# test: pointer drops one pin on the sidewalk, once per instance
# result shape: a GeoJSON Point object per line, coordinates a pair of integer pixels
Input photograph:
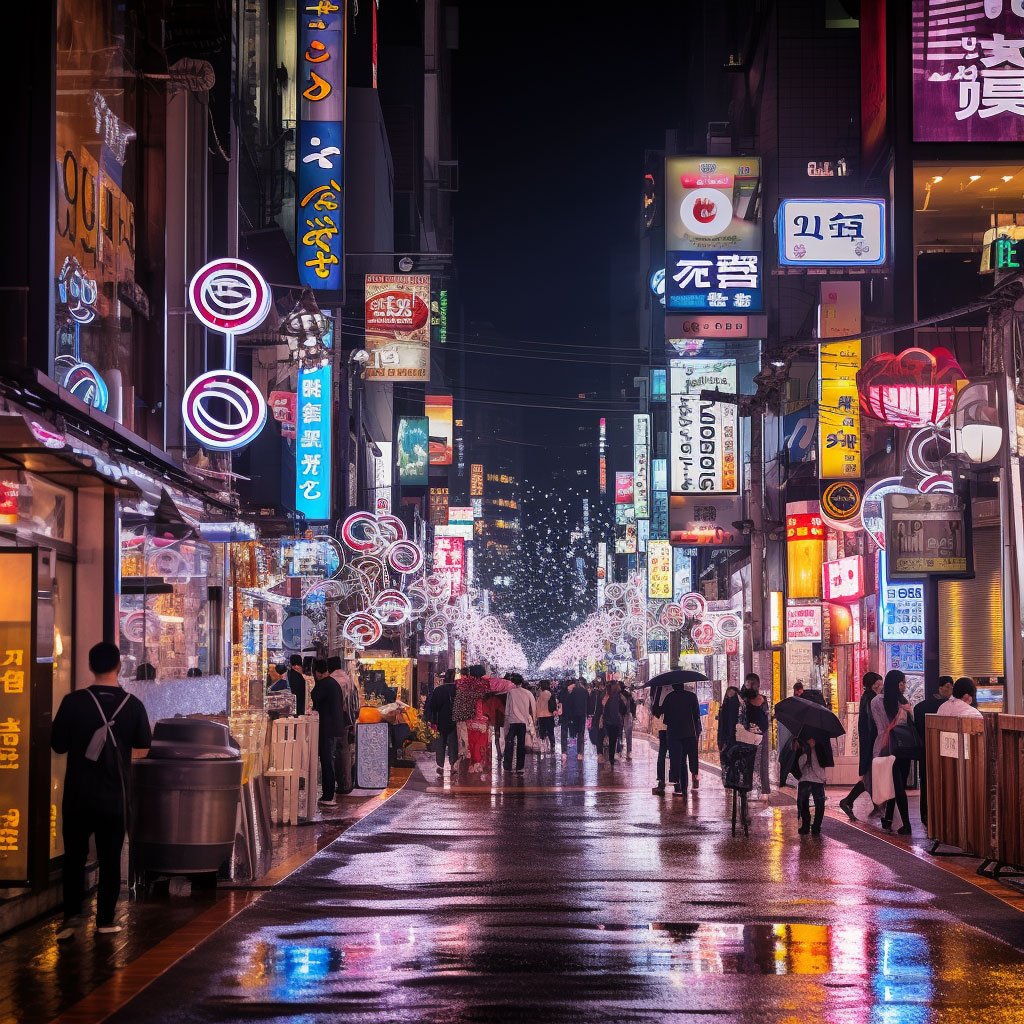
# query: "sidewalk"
{"type": "Point", "coordinates": [87, 979]}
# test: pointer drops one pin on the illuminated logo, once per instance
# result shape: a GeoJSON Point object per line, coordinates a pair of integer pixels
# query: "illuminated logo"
{"type": "Point", "coordinates": [230, 296]}
{"type": "Point", "coordinates": [841, 501]}
{"type": "Point", "coordinates": [240, 398]}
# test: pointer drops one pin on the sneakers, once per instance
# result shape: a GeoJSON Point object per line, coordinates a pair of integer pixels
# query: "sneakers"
{"type": "Point", "coordinates": [108, 929]}
{"type": "Point", "coordinates": [68, 929]}
{"type": "Point", "coordinates": [847, 808]}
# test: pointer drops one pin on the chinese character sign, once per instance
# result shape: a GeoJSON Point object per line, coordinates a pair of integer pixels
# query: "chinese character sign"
{"type": "Point", "coordinates": [16, 629]}
{"type": "Point", "coordinates": [397, 320]}
{"type": "Point", "coordinates": [703, 435]}
{"type": "Point", "coordinates": [641, 467]}
{"type": "Point", "coordinates": [476, 480]}
{"type": "Point", "coordinates": [713, 234]}
{"type": "Point", "coordinates": [968, 72]}
{"type": "Point", "coordinates": [320, 138]}
{"type": "Point", "coordinates": [659, 499]}
{"type": "Point", "coordinates": [450, 560]}
{"type": "Point", "coordinates": [313, 444]}
{"type": "Point", "coordinates": [438, 506]}
{"type": "Point", "coordinates": [839, 430]}
{"type": "Point", "coordinates": [831, 232]}
{"type": "Point", "coordinates": [659, 570]}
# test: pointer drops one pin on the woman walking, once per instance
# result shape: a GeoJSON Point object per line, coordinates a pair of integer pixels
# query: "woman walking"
{"type": "Point", "coordinates": [889, 711]}
{"type": "Point", "coordinates": [866, 733]}
{"type": "Point", "coordinates": [546, 706]}
{"type": "Point", "coordinates": [755, 710]}
{"type": "Point", "coordinates": [616, 708]}
{"type": "Point", "coordinates": [728, 716]}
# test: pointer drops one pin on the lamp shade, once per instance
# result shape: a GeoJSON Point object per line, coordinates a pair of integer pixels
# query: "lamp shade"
{"type": "Point", "coordinates": [976, 431]}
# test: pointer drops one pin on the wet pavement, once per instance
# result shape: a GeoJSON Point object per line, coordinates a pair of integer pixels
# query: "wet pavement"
{"type": "Point", "coordinates": [594, 901]}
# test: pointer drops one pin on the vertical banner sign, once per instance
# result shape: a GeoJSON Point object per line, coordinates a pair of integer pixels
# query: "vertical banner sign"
{"type": "Point", "coordinates": [659, 499]}
{"type": "Point", "coordinates": [439, 413]}
{"type": "Point", "coordinates": [438, 506]}
{"type": "Point", "coordinates": [703, 435]}
{"type": "Point", "coordinates": [382, 469]}
{"type": "Point", "coordinates": [602, 571]}
{"type": "Point", "coordinates": [413, 449]}
{"type": "Point", "coordinates": [450, 561]}
{"type": "Point", "coordinates": [839, 435]}
{"type": "Point", "coordinates": [16, 631]}
{"type": "Point", "coordinates": [641, 467]}
{"type": "Point", "coordinates": [623, 488]}
{"type": "Point", "coordinates": [313, 440]}
{"type": "Point", "coordinates": [682, 571]}
{"type": "Point", "coordinates": [602, 459]}
{"type": "Point", "coordinates": [397, 326]}
{"type": "Point", "coordinates": [713, 234]}
{"type": "Point", "coordinates": [659, 570]}
{"type": "Point", "coordinates": [476, 480]}
{"type": "Point", "coordinates": [320, 216]}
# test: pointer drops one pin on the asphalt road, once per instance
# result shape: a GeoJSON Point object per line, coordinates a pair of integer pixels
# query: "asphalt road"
{"type": "Point", "coordinates": [595, 901]}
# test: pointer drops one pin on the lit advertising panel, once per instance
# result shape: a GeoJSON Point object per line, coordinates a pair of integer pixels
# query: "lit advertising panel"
{"type": "Point", "coordinates": [450, 561]}
{"type": "Point", "coordinates": [659, 499]}
{"type": "Point", "coordinates": [705, 520]}
{"type": "Point", "coordinates": [659, 570]}
{"type": "Point", "coordinates": [313, 444]}
{"type": "Point", "coordinates": [803, 622]}
{"type": "Point", "coordinates": [413, 449]}
{"type": "Point", "coordinates": [839, 428]}
{"type": "Point", "coordinates": [831, 232]}
{"type": "Point", "coordinates": [703, 436]}
{"type": "Point", "coordinates": [843, 579]}
{"type": "Point", "coordinates": [439, 413]}
{"type": "Point", "coordinates": [397, 327]}
{"type": "Point", "coordinates": [901, 607]}
{"type": "Point", "coordinates": [713, 234]}
{"type": "Point", "coordinates": [641, 468]}
{"type": "Point", "coordinates": [623, 488]}
{"type": "Point", "coordinates": [967, 71]}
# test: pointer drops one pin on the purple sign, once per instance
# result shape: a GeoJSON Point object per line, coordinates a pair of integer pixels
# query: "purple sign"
{"type": "Point", "coordinates": [968, 71]}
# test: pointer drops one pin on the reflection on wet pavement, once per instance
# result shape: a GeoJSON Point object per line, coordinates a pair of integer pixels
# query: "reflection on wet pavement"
{"type": "Point", "coordinates": [597, 906]}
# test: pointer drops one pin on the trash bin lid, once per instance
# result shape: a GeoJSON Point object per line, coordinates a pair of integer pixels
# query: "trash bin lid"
{"type": "Point", "coordinates": [193, 739]}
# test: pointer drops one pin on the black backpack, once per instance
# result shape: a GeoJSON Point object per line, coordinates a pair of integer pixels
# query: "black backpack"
{"type": "Point", "coordinates": [107, 785]}
{"type": "Point", "coordinates": [552, 704]}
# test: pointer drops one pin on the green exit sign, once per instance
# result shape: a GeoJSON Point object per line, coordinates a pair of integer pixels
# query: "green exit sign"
{"type": "Point", "coordinates": [1007, 254]}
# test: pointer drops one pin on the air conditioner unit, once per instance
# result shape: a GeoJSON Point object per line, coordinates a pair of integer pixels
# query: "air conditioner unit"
{"type": "Point", "coordinates": [719, 138]}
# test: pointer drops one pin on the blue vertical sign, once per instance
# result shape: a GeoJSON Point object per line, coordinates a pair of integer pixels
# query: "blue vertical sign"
{"type": "Point", "coordinates": [659, 499]}
{"type": "Point", "coordinates": [313, 442]}
{"type": "Point", "coordinates": [319, 212]}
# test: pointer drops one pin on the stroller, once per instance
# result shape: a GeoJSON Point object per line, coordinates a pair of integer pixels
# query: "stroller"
{"type": "Point", "coordinates": [738, 775]}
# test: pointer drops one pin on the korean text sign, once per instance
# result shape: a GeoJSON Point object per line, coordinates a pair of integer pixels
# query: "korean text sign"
{"type": "Point", "coordinates": [831, 232]}
{"type": "Point", "coordinates": [16, 633]}
{"type": "Point", "coordinates": [713, 234]}
{"type": "Point", "coordinates": [397, 322]}
{"type": "Point", "coordinates": [703, 435]}
{"type": "Point", "coordinates": [968, 72]}
{"type": "Point", "coordinates": [313, 438]}
{"type": "Point", "coordinates": [320, 216]}
{"type": "Point", "coordinates": [641, 465]}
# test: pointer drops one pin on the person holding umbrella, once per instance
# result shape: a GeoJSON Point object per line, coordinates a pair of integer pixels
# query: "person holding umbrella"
{"type": "Point", "coordinates": [658, 686]}
{"type": "Point", "coordinates": [682, 726]}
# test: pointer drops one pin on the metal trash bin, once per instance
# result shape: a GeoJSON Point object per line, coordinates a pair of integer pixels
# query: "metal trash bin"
{"type": "Point", "coordinates": [185, 798]}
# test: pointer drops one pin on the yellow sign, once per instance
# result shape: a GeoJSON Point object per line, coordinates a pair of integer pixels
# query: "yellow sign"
{"type": "Point", "coordinates": [659, 570]}
{"type": "Point", "coordinates": [839, 431]}
{"type": "Point", "coordinates": [778, 618]}
{"type": "Point", "coordinates": [15, 707]}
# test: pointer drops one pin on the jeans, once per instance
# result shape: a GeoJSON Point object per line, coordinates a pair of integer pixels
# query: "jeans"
{"type": "Point", "coordinates": [546, 730]}
{"type": "Point", "coordinates": [614, 735]}
{"type": "Point", "coordinates": [108, 828]}
{"type": "Point", "coordinates": [900, 768]}
{"type": "Point", "coordinates": [343, 763]}
{"type": "Point", "coordinates": [448, 743]}
{"type": "Point", "coordinates": [515, 740]}
{"type": "Point", "coordinates": [805, 792]}
{"type": "Point", "coordinates": [627, 734]}
{"type": "Point", "coordinates": [681, 751]}
{"type": "Point", "coordinates": [328, 756]}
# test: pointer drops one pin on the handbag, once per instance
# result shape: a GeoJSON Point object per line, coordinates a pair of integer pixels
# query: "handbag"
{"type": "Point", "coordinates": [745, 735]}
{"type": "Point", "coordinates": [904, 742]}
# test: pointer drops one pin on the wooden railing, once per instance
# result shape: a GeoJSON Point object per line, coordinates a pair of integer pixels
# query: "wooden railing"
{"type": "Point", "coordinates": [1009, 760]}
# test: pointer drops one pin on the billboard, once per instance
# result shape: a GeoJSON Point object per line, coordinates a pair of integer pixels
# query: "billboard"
{"type": "Point", "coordinates": [713, 234]}
{"type": "Point", "coordinates": [397, 322]}
{"type": "Point", "coordinates": [623, 488]}
{"type": "Point", "coordinates": [439, 413]}
{"type": "Point", "coordinates": [831, 232]}
{"type": "Point", "coordinates": [659, 570]}
{"type": "Point", "coordinates": [659, 499]}
{"type": "Point", "coordinates": [967, 71]}
{"type": "Point", "coordinates": [705, 520]}
{"type": "Point", "coordinates": [413, 448]}
{"type": "Point", "coordinates": [682, 571]}
{"type": "Point", "coordinates": [450, 561]}
{"type": "Point", "coordinates": [320, 141]}
{"type": "Point", "coordinates": [703, 435]}
{"type": "Point", "coordinates": [313, 444]}
{"type": "Point", "coordinates": [641, 467]}
{"type": "Point", "coordinates": [438, 506]}
{"type": "Point", "coordinates": [839, 431]}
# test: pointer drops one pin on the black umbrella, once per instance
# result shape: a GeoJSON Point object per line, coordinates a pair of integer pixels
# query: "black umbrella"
{"type": "Point", "coordinates": [679, 675]}
{"type": "Point", "coordinates": [799, 715]}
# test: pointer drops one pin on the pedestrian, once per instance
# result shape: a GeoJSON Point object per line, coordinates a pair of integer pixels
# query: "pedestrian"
{"type": "Point", "coordinates": [494, 709]}
{"type": "Point", "coordinates": [440, 710]}
{"type": "Point", "coordinates": [615, 710]}
{"type": "Point", "coordinates": [100, 728]}
{"type": "Point", "coordinates": [787, 752]}
{"type": "Point", "coordinates": [681, 711]}
{"type": "Point", "coordinates": [889, 711]}
{"type": "Point", "coordinates": [328, 703]}
{"type": "Point", "coordinates": [728, 717]}
{"type": "Point", "coordinates": [279, 678]}
{"type": "Point", "coordinates": [929, 706]}
{"type": "Point", "coordinates": [811, 773]}
{"type": "Point", "coordinates": [866, 732]}
{"type": "Point", "coordinates": [755, 713]}
{"type": "Point", "coordinates": [961, 701]}
{"type": "Point", "coordinates": [467, 692]}
{"type": "Point", "coordinates": [350, 706]}
{"type": "Point", "coordinates": [658, 718]}
{"type": "Point", "coordinates": [574, 718]}
{"type": "Point", "coordinates": [596, 730]}
{"type": "Point", "coordinates": [297, 683]}
{"type": "Point", "coordinates": [546, 708]}
{"type": "Point", "coordinates": [520, 710]}
{"type": "Point", "coordinates": [479, 738]}
{"type": "Point", "coordinates": [627, 724]}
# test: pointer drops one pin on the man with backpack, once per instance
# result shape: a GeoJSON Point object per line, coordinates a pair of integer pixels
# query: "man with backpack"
{"type": "Point", "coordinates": [98, 728]}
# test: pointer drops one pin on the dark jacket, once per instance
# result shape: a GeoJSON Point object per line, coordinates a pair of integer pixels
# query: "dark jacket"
{"type": "Point", "coordinates": [329, 704]}
{"type": "Point", "coordinates": [593, 701]}
{"type": "Point", "coordinates": [615, 710]}
{"type": "Point", "coordinates": [441, 706]}
{"type": "Point", "coordinates": [866, 731]}
{"type": "Point", "coordinates": [929, 706]}
{"type": "Point", "coordinates": [758, 715]}
{"type": "Point", "coordinates": [574, 705]}
{"type": "Point", "coordinates": [728, 716]}
{"type": "Point", "coordinates": [681, 711]}
{"type": "Point", "coordinates": [297, 684]}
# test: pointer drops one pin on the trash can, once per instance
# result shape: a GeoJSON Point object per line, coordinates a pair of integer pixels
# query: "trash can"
{"type": "Point", "coordinates": [185, 798]}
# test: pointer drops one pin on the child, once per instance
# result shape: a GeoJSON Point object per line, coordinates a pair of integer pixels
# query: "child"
{"type": "Point", "coordinates": [812, 784]}
{"type": "Point", "coordinates": [479, 739]}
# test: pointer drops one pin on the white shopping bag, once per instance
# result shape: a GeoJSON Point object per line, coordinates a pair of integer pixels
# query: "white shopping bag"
{"type": "Point", "coordinates": [882, 786]}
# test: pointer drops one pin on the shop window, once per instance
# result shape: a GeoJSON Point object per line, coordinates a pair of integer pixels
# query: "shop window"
{"type": "Point", "coordinates": [32, 506]}
{"type": "Point", "coordinates": [63, 662]}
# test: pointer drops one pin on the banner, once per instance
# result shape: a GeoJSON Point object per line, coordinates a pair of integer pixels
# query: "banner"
{"type": "Point", "coordinates": [439, 413]}
{"type": "Point", "coordinates": [450, 561]}
{"type": "Point", "coordinates": [703, 435]}
{"type": "Point", "coordinates": [438, 506]}
{"type": "Point", "coordinates": [839, 431]}
{"type": "Point", "coordinates": [705, 520]}
{"type": "Point", "coordinates": [397, 315]}
{"type": "Point", "coordinates": [713, 234]}
{"type": "Point", "coordinates": [659, 499]}
{"type": "Point", "coordinates": [623, 488]}
{"type": "Point", "coordinates": [313, 444]}
{"type": "Point", "coordinates": [659, 570]}
{"type": "Point", "coordinates": [641, 469]}
{"type": "Point", "coordinates": [413, 448]}
{"type": "Point", "coordinates": [476, 480]}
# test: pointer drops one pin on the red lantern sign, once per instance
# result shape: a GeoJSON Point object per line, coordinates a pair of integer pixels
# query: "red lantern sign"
{"type": "Point", "coordinates": [911, 388]}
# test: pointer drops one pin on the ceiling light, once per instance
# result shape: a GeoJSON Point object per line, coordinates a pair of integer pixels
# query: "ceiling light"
{"type": "Point", "coordinates": [994, 188]}
{"type": "Point", "coordinates": [1007, 177]}
{"type": "Point", "coordinates": [973, 177]}
{"type": "Point", "coordinates": [936, 179]}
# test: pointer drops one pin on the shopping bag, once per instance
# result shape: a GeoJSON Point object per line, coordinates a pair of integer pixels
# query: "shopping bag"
{"type": "Point", "coordinates": [745, 735]}
{"type": "Point", "coordinates": [882, 786]}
